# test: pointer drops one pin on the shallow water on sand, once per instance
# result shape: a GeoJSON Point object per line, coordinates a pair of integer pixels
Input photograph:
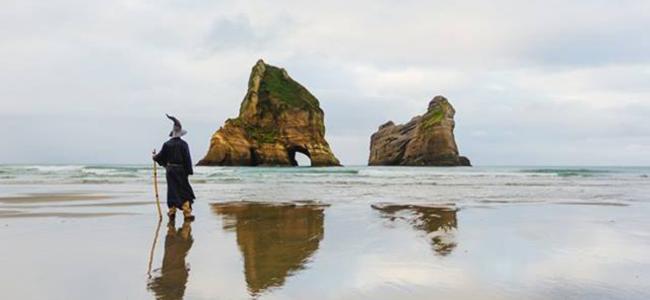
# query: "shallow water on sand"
{"type": "Point", "coordinates": [340, 233]}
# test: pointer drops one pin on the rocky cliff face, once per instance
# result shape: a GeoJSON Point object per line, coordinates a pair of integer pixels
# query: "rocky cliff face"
{"type": "Point", "coordinates": [277, 118]}
{"type": "Point", "coordinates": [426, 140]}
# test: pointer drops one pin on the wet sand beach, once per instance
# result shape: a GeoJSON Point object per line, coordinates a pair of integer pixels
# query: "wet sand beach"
{"type": "Point", "coordinates": [30, 205]}
{"type": "Point", "coordinates": [51, 198]}
{"type": "Point", "coordinates": [349, 238]}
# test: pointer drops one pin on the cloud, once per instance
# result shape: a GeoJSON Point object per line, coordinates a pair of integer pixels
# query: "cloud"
{"type": "Point", "coordinates": [234, 34]}
{"type": "Point", "coordinates": [239, 34]}
{"type": "Point", "coordinates": [531, 82]}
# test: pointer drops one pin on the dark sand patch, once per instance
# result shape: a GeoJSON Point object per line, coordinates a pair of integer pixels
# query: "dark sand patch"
{"type": "Point", "coordinates": [592, 203]}
{"type": "Point", "coordinates": [509, 201]}
{"type": "Point", "coordinates": [42, 198]}
{"type": "Point", "coordinates": [481, 206]}
{"type": "Point", "coordinates": [391, 207]}
{"type": "Point", "coordinates": [298, 203]}
{"type": "Point", "coordinates": [61, 215]}
{"type": "Point", "coordinates": [109, 204]}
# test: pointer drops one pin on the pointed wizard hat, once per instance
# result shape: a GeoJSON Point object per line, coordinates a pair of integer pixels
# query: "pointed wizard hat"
{"type": "Point", "coordinates": [177, 130]}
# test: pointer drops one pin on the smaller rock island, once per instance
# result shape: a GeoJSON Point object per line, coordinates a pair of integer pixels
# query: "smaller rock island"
{"type": "Point", "coordinates": [426, 140]}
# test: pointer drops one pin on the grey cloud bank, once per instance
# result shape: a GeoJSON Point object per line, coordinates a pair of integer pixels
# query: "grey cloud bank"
{"type": "Point", "coordinates": [541, 82]}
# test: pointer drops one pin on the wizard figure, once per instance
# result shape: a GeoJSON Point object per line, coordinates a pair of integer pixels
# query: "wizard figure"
{"type": "Point", "coordinates": [175, 157]}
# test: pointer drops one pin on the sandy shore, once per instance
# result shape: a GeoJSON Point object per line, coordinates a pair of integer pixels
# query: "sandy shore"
{"type": "Point", "coordinates": [32, 205]}
{"type": "Point", "coordinates": [19, 214]}
{"type": "Point", "coordinates": [52, 198]}
{"type": "Point", "coordinates": [283, 249]}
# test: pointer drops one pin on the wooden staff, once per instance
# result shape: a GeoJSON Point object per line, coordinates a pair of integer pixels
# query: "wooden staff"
{"type": "Point", "coordinates": [155, 187]}
{"type": "Point", "coordinates": [153, 248]}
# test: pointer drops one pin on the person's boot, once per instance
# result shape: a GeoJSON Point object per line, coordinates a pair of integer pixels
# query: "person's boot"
{"type": "Point", "coordinates": [187, 211]}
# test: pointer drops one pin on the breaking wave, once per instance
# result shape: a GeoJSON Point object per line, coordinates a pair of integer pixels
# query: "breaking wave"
{"type": "Point", "coordinates": [570, 172]}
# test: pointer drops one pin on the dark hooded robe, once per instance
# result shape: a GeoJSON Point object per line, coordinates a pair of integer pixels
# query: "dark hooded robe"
{"type": "Point", "coordinates": [175, 157]}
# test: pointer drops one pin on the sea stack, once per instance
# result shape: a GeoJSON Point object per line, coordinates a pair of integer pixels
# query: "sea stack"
{"type": "Point", "coordinates": [426, 140]}
{"type": "Point", "coordinates": [277, 118]}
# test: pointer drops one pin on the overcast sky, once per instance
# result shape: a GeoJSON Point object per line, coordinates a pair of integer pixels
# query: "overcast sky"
{"type": "Point", "coordinates": [533, 82]}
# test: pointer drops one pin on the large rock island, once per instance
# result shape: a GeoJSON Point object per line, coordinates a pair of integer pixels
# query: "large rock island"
{"type": "Point", "coordinates": [277, 118]}
{"type": "Point", "coordinates": [426, 140]}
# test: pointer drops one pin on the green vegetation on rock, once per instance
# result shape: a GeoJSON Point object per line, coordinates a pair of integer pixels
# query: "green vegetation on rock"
{"type": "Point", "coordinates": [235, 121]}
{"type": "Point", "coordinates": [262, 135]}
{"type": "Point", "coordinates": [284, 89]}
{"type": "Point", "coordinates": [432, 119]}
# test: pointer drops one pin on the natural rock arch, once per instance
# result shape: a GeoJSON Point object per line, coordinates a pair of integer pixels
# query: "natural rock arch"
{"type": "Point", "coordinates": [291, 152]}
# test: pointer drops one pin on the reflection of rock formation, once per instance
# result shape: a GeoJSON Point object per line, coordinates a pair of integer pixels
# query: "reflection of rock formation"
{"type": "Point", "coordinates": [276, 240]}
{"type": "Point", "coordinates": [438, 222]}
{"type": "Point", "coordinates": [174, 272]}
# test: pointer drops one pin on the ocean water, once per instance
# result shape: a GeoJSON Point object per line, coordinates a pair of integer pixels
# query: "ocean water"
{"type": "Point", "coordinates": [460, 186]}
{"type": "Point", "coordinates": [91, 231]}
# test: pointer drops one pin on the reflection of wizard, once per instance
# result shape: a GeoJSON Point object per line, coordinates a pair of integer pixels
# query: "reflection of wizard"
{"type": "Point", "coordinates": [174, 272]}
{"type": "Point", "coordinates": [175, 157]}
